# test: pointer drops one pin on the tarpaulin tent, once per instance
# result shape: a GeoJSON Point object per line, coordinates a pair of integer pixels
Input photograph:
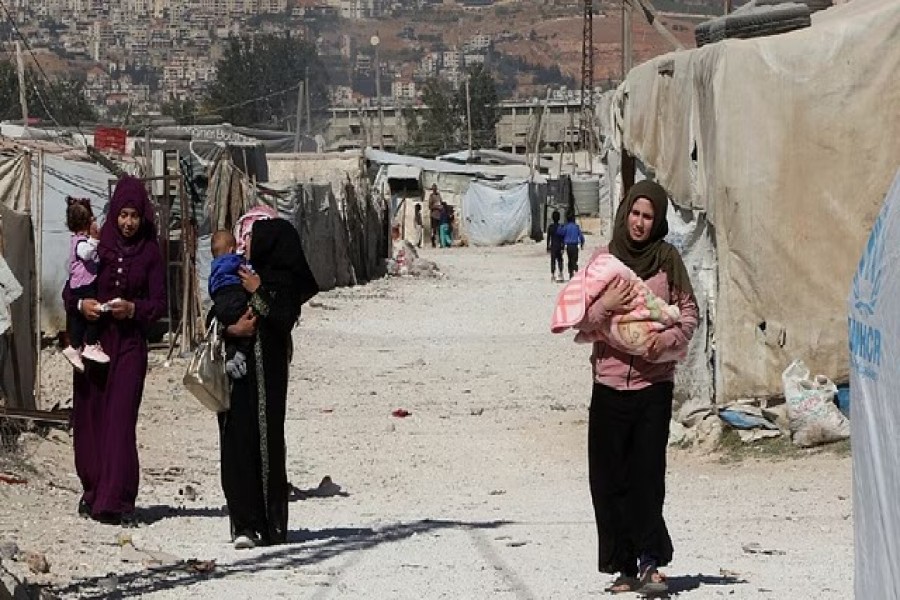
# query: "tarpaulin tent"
{"type": "Point", "coordinates": [786, 144]}
{"type": "Point", "coordinates": [875, 415]}
{"type": "Point", "coordinates": [17, 245]}
{"type": "Point", "coordinates": [493, 216]}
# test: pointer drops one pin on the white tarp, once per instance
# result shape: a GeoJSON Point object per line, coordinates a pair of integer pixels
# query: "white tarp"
{"type": "Point", "coordinates": [874, 334]}
{"type": "Point", "coordinates": [493, 216]}
{"type": "Point", "coordinates": [788, 144]}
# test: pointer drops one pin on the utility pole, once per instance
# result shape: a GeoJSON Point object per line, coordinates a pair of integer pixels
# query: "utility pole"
{"type": "Point", "coordinates": [306, 87]}
{"type": "Point", "coordinates": [23, 99]}
{"type": "Point", "coordinates": [469, 116]}
{"type": "Point", "coordinates": [727, 7]}
{"type": "Point", "coordinates": [299, 116]}
{"type": "Point", "coordinates": [586, 119]}
{"type": "Point", "coordinates": [626, 38]}
{"type": "Point", "coordinates": [374, 41]}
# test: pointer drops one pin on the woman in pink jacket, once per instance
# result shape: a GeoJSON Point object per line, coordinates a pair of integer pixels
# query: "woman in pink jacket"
{"type": "Point", "coordinates": [631, 404]}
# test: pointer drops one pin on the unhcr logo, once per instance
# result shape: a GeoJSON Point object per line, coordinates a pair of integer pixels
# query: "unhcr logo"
{"type": "Point", "coordinates": [865, 339]}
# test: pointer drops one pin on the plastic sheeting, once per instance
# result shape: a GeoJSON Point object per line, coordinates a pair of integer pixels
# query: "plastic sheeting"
{"type": "Point", "coordinates": [788, 143]}
{"type": "Point", "coordinates": [17, 243]}
{"type": "Point", "coordinates": [874, 332]}
{"type": "Point", "coordinates": [494, 217]}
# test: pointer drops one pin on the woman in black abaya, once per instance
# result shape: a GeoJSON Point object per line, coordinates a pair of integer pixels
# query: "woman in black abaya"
{"type": "Point", "coordinates": [254, 472]}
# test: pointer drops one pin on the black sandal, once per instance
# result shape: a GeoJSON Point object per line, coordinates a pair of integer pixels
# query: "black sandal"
{"type": "Point", "coordinates": [648, 587]}
{"type": "Point", "coordinates": [623, 585]}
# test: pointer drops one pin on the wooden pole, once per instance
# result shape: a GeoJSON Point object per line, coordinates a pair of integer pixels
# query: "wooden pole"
{"type": "Point", "coordinates": [378, 93]}
{"type": "Point", "coordinates": [727, 7]}
{"type": "Point", "coordinates": [626, 38]}
{"type": "Point", "coordinates": [469, 116]}
{"type": "Point", "coordinates": [299, 116]}
{"type": "Point", "coordinates": [23, 98]}
{"type": "Point", "coordinates": [306, 103]}
{"type": "Point", "coordinates": [39, 244]}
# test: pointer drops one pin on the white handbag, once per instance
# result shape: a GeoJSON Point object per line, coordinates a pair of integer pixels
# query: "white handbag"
{"type": "Point", "coordinates": [206, 378]}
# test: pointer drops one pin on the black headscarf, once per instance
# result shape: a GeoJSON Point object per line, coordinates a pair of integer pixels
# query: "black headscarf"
{"type": "Point", "coordinates": [654, 254]}
{"type": "Point", "coordinates": [277, 255]}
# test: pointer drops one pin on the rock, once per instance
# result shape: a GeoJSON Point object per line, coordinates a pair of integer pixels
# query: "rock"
{"type": "Point", "coordinates": [36, 562]}
{"type": "Point", "coordinates": [108, 583]}
{"type": "Point", "coordinates": [124, 539]}
{"type": "Point", "coordinates": [189, 493]}
{"type": "Point", "coordinates": [8, 550]}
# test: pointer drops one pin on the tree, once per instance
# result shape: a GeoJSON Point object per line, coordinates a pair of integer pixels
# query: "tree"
{"type": "Point", "coordinates": [440, 126]}
{"type": "Point", "coordinates": [257, 79]}
{"type": "Point", "coordinates": [484, 107]}
{"type": "Point", "coordinates": [61, 100]}
{"type": "Point", "coordinates": [183, 111]}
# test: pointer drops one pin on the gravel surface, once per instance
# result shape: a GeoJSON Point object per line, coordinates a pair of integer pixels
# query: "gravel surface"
{"type": "Point", "coordinates": [480, 492]}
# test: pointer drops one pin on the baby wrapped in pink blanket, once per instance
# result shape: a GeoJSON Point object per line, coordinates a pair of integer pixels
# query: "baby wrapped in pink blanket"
{"type": "Point", "coordinates": [629, 332]}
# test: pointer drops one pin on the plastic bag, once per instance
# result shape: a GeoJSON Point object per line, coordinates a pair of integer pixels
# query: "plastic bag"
{"type": "Point", "coordinates": [813, 416]}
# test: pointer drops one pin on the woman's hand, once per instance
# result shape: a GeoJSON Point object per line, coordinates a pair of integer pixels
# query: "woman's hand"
{"type": "Point", "coordinates": [243, 327]}
{"type": "Point", "coordinates": [619, 296]}
{"type": "Point", "coordinates": [249, 279]}
{"type": "Point", "coordinates": [121, 309]}
{"type": "Point", "coordinates": [90, 308]}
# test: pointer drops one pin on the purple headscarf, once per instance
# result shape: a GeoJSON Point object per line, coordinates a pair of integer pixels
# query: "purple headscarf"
{"type": "Point", "coordinates": [129, 193]}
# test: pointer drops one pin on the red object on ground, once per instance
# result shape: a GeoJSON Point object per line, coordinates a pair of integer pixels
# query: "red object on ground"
{"type": "Point", "coordinates": [401, 412]}
{"type": "Point", "coordinates": [12, 479]}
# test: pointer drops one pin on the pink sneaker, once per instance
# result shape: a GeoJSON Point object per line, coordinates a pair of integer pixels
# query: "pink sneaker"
{"type": "Point", "coordinates": [74, 356]}
{"type": "Point", "coordinates": [95, 354]}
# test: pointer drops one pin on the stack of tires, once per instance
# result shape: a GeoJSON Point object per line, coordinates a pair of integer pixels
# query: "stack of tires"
{"type": "Point", "coordinates": [759, 18]}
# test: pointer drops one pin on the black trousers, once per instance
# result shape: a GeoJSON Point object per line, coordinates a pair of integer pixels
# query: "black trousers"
{"type": "Point", "coordinates": [572, 255]}
{"type": "Point", "coordinates": [81, 331]}
{"type": "Point", "coordinates": [628, 432]}
{"type": "Point", "coordinates": [556, 261]}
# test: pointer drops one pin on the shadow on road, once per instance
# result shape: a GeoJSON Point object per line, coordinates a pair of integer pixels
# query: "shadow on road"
{"type": "Point", "coordinates": [304, 547]}
{"type": "Point", "coordinates": [686, 583]}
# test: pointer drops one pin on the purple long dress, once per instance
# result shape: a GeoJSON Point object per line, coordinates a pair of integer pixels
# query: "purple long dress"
{"type": "Point", "coordinates": [107, 398]}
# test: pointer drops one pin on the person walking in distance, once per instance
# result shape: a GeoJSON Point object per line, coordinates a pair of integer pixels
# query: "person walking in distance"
{"type": "Point", "coordinates": [435, 204]}
{"type": "Point", "coordinates": [573, 239]}
{"type": "Point", "coordinates": [555, 247]}
{"type": "Point", "coordinates": [417, 221]}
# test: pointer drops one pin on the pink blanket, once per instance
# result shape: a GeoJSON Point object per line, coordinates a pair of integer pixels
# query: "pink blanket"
{"type": "Point", "coordinates": [629, 332]}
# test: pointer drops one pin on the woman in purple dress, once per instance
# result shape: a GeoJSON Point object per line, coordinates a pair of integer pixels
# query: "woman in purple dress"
{"type": "Point", "coordinates": [131, 296]}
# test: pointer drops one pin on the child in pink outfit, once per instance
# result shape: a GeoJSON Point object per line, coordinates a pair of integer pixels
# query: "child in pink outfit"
{"type": "Point", "coordinates": [83, 262]}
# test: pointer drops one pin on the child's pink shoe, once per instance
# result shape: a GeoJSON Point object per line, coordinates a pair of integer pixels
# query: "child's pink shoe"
{"type": "Point", "coordinates": [95, 353]}
{"type": "Point", "coordinates": [74, 356]}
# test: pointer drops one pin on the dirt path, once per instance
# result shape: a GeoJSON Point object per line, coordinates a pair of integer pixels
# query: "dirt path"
{"type": "Point", "coordinates": [481, 492]}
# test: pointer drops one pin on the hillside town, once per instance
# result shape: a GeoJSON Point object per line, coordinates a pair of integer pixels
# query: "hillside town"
{"type": "Point", "coordinates": [136, 55]}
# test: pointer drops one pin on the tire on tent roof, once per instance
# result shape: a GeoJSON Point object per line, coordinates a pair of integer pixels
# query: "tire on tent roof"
{"type": "Point", "coordinates": [768, 29]}
{"type": "Point", "coordinates": [710, 31]}
{"type": "Point", "coordinates": [767, 21]}
{"type": "Point", "coordinates": [813, 5]}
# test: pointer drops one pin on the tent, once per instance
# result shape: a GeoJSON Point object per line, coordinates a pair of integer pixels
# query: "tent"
{"type": "Point", "coordinates": [17, 246]}
{"type": "Point", "coordinates": [874, 332]}
{"type": "Point", "coordinates": [783, 147]}
{"type": "Point", "coordinates": [494, 215]}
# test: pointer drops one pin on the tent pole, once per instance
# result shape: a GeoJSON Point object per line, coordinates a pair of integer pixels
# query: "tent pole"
{"type": "Point", "coordinates": [39, 243]}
